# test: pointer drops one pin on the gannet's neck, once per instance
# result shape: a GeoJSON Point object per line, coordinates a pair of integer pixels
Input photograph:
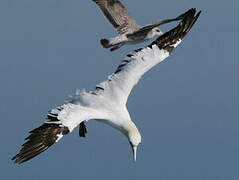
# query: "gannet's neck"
{"type": "Point", "coordinates": [134, 138]}
{"type": "Point", "coordinates": [133, 133]}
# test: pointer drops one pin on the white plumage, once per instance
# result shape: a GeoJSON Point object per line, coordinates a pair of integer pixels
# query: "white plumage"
{"type": "Point", "coordinates": [109, 99]}
{"type": "Point", "coordinates": [107, 103]}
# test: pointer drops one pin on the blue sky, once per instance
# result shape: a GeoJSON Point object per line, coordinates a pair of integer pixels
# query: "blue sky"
{"type": "Point", "coordinates": [186, 108]}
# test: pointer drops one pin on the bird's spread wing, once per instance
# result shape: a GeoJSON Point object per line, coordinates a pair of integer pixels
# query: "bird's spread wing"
{"type": "Point", "coordinates": [165, 21]}
{"type": "Point", "coordinates": [88, 105]}
{"type": "Point", "coordinates": [119, 85]}
{"type": "Point", "coordinates": [41, 138]}
{"type": "Point", "coordinates": [59, 122]}
{"type": "Point", "coordinates": [117, 15]}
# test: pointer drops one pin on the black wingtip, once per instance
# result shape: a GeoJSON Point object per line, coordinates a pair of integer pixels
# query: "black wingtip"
{"type": "Point", "coordinates": [39, 140]}
{"type": "Point", "coordinates": [170, 38]}
{"type": "Point", "coordinates": [190, 11]}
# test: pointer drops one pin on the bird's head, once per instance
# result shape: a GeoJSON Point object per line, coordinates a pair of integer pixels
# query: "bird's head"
{"type": "Point", "coordinates": [157, 31]}
{"type": "Point", "coordinates": [134, 140]}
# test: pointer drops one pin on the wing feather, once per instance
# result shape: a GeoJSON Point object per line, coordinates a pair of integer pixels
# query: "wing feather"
{"type": "Point", "coordinates": [117, 15]}
{"type": "Point", "coordinates": [159, 23]}
{"type": "Point", "coordinates": [39, 140]}
{"type": "Point", "coordinates": [119, 85]}
{"type": "Point", "coordinates": [62, 120]}
{"type": "Point", "coordinates": [59, 122]}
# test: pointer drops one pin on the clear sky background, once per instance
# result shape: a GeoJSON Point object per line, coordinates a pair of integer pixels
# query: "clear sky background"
{"type": "Point", "coordinates": [186, 108]}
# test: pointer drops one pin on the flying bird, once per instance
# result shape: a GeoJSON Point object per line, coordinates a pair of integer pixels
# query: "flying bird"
{"type": "Point", "coordinates": [107, 103]}
{"type": "Point", "coordinates": [128, 31]}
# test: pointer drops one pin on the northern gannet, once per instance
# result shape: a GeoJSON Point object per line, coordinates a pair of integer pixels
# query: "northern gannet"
{"type": "Point", "coordinates": [107, 103]}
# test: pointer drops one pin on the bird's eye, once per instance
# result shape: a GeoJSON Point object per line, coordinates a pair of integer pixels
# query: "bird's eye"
{"type": "Point", "coordinates": [157, 30]}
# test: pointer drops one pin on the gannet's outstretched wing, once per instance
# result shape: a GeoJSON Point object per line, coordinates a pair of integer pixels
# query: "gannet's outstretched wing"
{"type": "Point", "coordinates": [119, 85]}
{"type": "Point", "coordinates": [47, 134]}
{"type": "Point", "coordinates": [117, 15]}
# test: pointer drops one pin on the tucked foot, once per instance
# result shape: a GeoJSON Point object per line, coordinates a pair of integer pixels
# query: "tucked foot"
{"type": "Point", "coordinates": [105, 43]}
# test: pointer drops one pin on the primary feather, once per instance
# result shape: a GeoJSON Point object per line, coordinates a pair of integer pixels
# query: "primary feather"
{"type": "Point", "coordinates": [107, 103]}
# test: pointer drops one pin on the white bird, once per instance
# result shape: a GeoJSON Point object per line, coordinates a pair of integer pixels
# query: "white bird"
{"type": "Point", "coordinates": [107, 103]}
{"type": "Point", "coordinates": [128, 31]}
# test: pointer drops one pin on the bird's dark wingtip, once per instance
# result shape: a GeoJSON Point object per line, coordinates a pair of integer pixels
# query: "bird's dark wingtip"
{"type": "Point", "coordinates": [170, 38]}
{"type": "Point", "coordinates": [190, 11]}
{"type": "Point", "coordinates": [39, 140]}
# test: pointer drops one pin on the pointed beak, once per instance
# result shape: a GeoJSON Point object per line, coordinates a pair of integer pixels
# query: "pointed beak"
{"type": "Point", "coordinates": [135, 153]}
{"type": "Point", "coordinates": [134, 148]}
